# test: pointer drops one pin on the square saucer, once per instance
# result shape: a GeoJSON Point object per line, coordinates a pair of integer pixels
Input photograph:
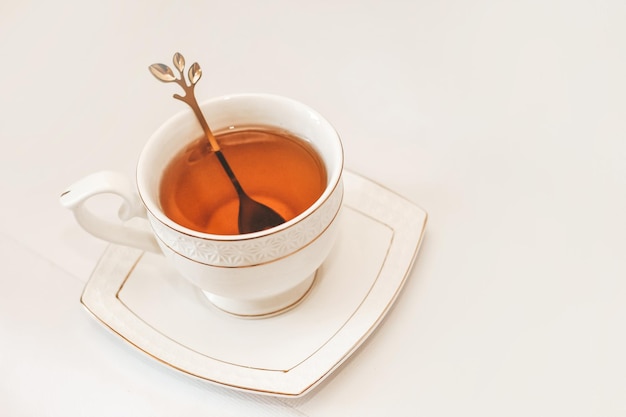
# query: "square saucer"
{"type": "Point", "coordinates": [145, 302]}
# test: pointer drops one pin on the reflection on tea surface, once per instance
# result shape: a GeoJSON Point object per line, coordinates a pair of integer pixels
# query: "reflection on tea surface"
{"type": "Point", "coordinates": [275, 168]}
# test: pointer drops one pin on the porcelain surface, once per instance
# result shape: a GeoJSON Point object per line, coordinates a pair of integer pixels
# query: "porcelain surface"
{"type": "Point", "coordinates": [256, 274]}
{"type": "Point", "coordinates": [148, 304]}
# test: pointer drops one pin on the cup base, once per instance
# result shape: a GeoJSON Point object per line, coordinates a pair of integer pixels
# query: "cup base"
{"type": "Point", "coordinates": [264, 307]}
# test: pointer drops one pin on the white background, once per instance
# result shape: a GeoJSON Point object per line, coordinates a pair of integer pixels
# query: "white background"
{"type": "Point", "coordinates": [504, 120]}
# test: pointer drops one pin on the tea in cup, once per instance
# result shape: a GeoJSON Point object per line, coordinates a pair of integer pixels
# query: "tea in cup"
{"type": "Point", "coordinates": [284, 154]}
{"type": "Point", "coordinates": [278, 169]}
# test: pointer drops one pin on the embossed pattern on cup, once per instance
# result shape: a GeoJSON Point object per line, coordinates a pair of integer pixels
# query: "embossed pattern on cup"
{"type": "Point", "coordinates": [257, 251]}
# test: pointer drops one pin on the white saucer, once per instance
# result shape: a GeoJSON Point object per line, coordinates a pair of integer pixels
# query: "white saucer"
{"type": "Point", "coordinates": [140, 298]}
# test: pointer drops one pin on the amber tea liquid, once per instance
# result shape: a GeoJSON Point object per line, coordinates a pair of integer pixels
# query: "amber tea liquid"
{"type": "Point", "coordinates": [273, 167]}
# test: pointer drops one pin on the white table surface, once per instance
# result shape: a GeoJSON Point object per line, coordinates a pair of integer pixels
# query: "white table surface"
{"type": "Point", "coordinates": [505, 120]}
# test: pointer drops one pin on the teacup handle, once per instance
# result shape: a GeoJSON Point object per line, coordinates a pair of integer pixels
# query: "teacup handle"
{"type": "Point", "coordinates": [108, 182]}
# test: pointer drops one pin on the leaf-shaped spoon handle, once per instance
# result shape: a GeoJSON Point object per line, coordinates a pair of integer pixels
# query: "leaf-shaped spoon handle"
{"type": "Point", "coordinates": [165, 74]}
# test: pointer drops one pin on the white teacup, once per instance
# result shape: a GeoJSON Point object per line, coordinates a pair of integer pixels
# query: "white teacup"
{"type": "Point", "coordinates": [254, 274]}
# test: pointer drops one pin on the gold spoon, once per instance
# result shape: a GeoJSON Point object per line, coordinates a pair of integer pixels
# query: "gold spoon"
{"type": "Point", "coordinates": [253, 216]}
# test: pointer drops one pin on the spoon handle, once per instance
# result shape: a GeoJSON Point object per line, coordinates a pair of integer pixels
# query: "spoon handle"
{"type": "Point", "coordinates": [229, 172]}
{"type": "Point", "coordinates": [215, 147]}
{"type": "Point", "coordinates": [165, 74]}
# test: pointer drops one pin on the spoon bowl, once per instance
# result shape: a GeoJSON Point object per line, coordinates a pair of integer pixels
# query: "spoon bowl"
{"type": "Point", "coordinates": [255, 216]}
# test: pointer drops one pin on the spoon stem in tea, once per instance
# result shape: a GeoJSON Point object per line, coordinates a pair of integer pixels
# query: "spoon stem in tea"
{"type": "Point", "coordinates": [191, 101]}
{"type": "Point", "coordinates": [229, 172]}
